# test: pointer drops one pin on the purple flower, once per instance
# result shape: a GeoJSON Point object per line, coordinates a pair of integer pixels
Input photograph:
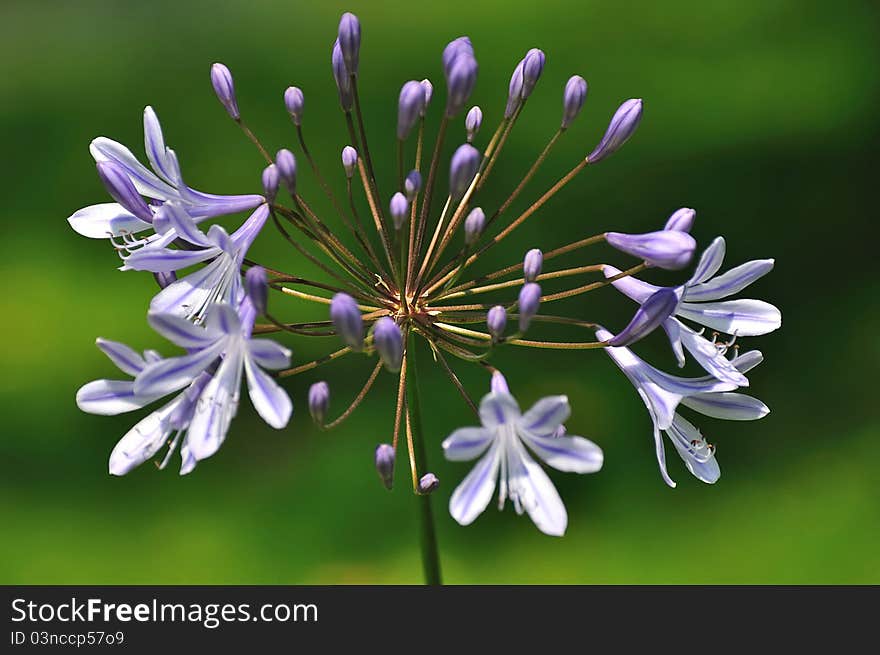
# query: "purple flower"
{"type": "Point", "coordinates": [409, 107]}
{"type": "Point", "coordinates": [622, 125]}
{"type": "Point", "coordinates": [529, 300]}
{"type": "Point", "coordinates": [496, 321]}
{"type": "Point", "coordinates": [349, 160]}
{"type": "Point", "coordinates": [350, 41]}
{"type": "Point", "coordinates": [461, 75]}
{"type": "Point", "coordinates": [319, 401]}
{"type": "Point", "coordinates": [428, 483]}
{"type": "Point", "coordinates": [162, 184]}
{"type": "Point", "coordinates": [257, 288]}
{"type": "Point", "coordinates": [384, 460]}
{"type": "Point", "coordinates": [295, 102]}
{"type": "Point", "coordinates": [285, 162]}
{"type": "Point", "coordinates": [462, 168]}
{"type": "Point", "coordinates": [472, 122]}
{"type": "Point", "coordinates": [412, 184]}
{"type": "Point", "coordinates": [340, 74]}
{"type": "Point", "coordinates": [514, 90]}
{"type": "Point", "coordinates": [399, 209]}
{"type": "Point", "coordinates": [388, 342]}
{"type": "Point", "coordinates": [221, 80]}
{"type": "Point", "coordinates": [270, 180]}
{"type": "Point", "coordinates": [573, 98]}
{"type": "Point", "coordinates": [533, 262]}
{"type": "Point", "coordinates": [669, 249]}
{"type": "Point", "coordinates": [533, 66]}
{"type": "Point", "coordinates": [474, 225]}
{"type": "Point", "coordinates": [210, 376]}
{"type": "Point", "coordinates": [347, 321]}
{"type": "Point", "coordinates": [681, 220]}
{"type": "Point", "coordinates": [501, 443]}
{"type": "Point", "coordinates": [649, 316]}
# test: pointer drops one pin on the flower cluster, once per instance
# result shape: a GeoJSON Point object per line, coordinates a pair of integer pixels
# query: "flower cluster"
{"type": "Point", "coordinates": [398, 269]}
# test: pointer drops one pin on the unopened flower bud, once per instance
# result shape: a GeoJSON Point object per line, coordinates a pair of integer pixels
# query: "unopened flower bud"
{"type": "Point", "coordinates": [496, 321]}
{"type": "Point", "coordinates": [399, 208]}
{"type": "Point", "coordinates": [285, 162]}
{"type": "Point", "coordinates": [349, 160]}
{"type": "Point", "coordinates": [319, 401]}
{"type": "Point", "coordinates": [623, 124]}
{"type": "Point", "coordinates": [412, 185]}
{"type": "Point", "coordinates": [221, 79]}
{"type": "Point", "coordinates": [164, 278]}
{"type": "Point", "coordinates": [343, 81]}
{"type": "Point", "coordinates": [529, 301]}
{"type": "Point", "coordinates": [532, 264]}
{"type": "Point", "coordinates": [474, 225]}
{"type": "Point", "coordinates": [122, 189]}
{"type": "Point", "coordinates": [389, 343]}
{"type": "Point", "coordinates": [271, 180]}
{"type": "Point", "coordinates": [514, 92]}
{"type": "Point", "coordinates": [472, 122]}
{"type": "Point", "coordinates": [462, 169]}
{"type": "Point", "coordinates": [385, 464]}
{"type": "Point", "coordinates": [656, 309]}
{"type": "Point", "coordinates": [533, 66]}
{"type": "Point", "coordinates": [409, 107]}
{"type": "Point", "coordinates": [346, 318]}
{"type": "Point", "coordinates": [573, 99]}
{"type": "Point", "coordinates": [429, 93]}
{"type": "Point", "coordinates": [454, 48]}
{"type": "Point", "coordinates": [682, 220]}
{"type": "Point", "coordinates": [498, 383]}
{"type": "Point", "coordinates": [460, 79]}
{"type": "Point", "coordinates": [295, 103]}
{"type": "Point", "coordinates": [428, 483]}
{"type": "Point", "coordinates": [350, 41]}
{"type": "Point", "coordinates": [669, 249]}
{"type": "Point", "coordinates": [256, 285]}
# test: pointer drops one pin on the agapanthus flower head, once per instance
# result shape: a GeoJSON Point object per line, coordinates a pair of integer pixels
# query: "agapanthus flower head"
{"type": "Point", "coordinates": [394, 261]}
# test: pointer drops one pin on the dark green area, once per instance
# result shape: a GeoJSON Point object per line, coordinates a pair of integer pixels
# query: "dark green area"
{"type": "Point", "coordinates": [761, 115]}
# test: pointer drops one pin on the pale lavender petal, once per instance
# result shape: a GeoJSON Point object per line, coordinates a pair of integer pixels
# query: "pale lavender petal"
{"type": "Point", "coordinates": [545, 416]}
{"type": "Point", "coordinates": [530, 489]}
{"type": "Point", "coordinates": [710, 261]}
{"type": "Point", "coordinates": [466, 444]}
{"type": "Point", "coordinates": [571, 454]}
{"type": "Point", "coordinates": [497, 409]}
{"type": "Point", "coordinates": [105, 220]}
{"type": "Point", "coordinates": [729, 283]}
{"type": "Point", "coordinates": [472, 496]}
{"type": "Point", "coordinates": [630, 286]}
{"type": "Point", "coordinates": [748, 360]}
{"type": "Point", "coordinates": [176, 372]}
{"type": "Point", "coordinates": [744, 318]}
{"type": "Point", "coordinates": [144, 180]}
{"type": "Point", "coordinates": [710, 358]}
{"type": "Point", "coordinates": [728, 405]}
{"type": "Point", "coordinates": [125, 358]}
{"type": "Point", "coordinates": [154, 144]}
{"type": "Point", "coordinates": [244, 236]}
{"type": "Point", "coordinates": [110, 397]}
{"type": "Point", "coordinates": [204, 205]}
{"type": "Point", "coordinates": [648, 317]}
{"type": "Point", "coordinates": [142, 441]}
{"type": "Point", "coordinates": [268, 398]}
{"type": "Point", "coordinates": [162, 260]}
{"type": "Point", "coordinates": [216, 408]}
{"type": "Point", "coordinates": [190, 294]}
{"type": "Point", "coordinates": [269, 354]}
{"type": "Point", "coordinates": [672, 326]}
{"type": "Point", "coordinates": [182, 332]}
{"type": "Point", "coordinates": [702, 464]}
{"type": "Point", "coordinates": [224, 318]}
{"type": "Point", "coordinates": [184, 225]}
{"type": "Point", "coordinates": [660, 451]}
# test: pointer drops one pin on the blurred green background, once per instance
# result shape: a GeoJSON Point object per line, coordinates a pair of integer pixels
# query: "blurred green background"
{"type": "Point", "coordinates": [761, 115]}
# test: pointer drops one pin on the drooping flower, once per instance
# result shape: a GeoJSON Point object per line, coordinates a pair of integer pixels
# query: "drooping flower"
{"type": "Point", "coordinates": [663, 393]}
{"type": "Point", "coordinates": [161, 184]}
{"type": "Point", "coordinates": [502, 442]}
{"type": "Point", "coordinates": [739, 318]}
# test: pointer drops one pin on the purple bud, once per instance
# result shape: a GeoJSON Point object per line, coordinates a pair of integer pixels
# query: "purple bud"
{"type": "Point", "coordinates": [496, 321]}
{"type": "Point", "coordinates": [122, 190]}
{"type": "Point", "coordinates": [389, 343]}
{"type": "Point", "coordinates": [669, 249]}
{"type": "Point", "coordinates": [454, 48]}
{"type": "Point", "coordinates": [462, 169]}
{"type": "Point", "coordinates": [319, 401]}
{"type": "Point", "coordinates": [533, 66]}
{"type": "Point", "coordinates": [340, 74]}
{"type": "Point", "coordinates": [295, 103]}
{"type": "Point", "coordinates": [164, 278]}
{"type": "Point", "coordinates": [412, 184]}
{"type": "Point", "coordinates": [349, 160]}
{"type": "Point", "coordinates": [472, 122]}
{"type": "Point", "coordinates": [474, 225]}
{"type": "Point", "coordinates": [656, 309]}
{"type": "Point", "coordinates": [221, 79]}
{"type": "Point", "coordinates": [399, 207]}
{"type": "Point", "coordinates": [257, 286]}
{"type": "Point", "coordinates": [347, 321]}
{"type": "Point", "coordinates": [529, 300]}
{"type": "Point", "coordinates": [682, 220]}
{"type": "Point", "coordinates": [573, 99]}
{"type": "Point", "coordinates": [514, 93]}
{"type": "Point", "coordinates": [427, 483]}
{"type": "Point", "coordinates": [409, 107]}
{"type": "Point", "coordinates": [350, 41]}
{"type": "Point", "coordinates": [429, 93]}
{"type": "Point", "coordinates": [271, 180]}
{"type": "Point", "coordinates": [532, 264]}
{"type": "Point", "coordinates": [285, 162]}
{"type": "Point", "coordinates": [460, 79]}
{"type": "Point", "coordinates": [498, 383]}
{"type": "Point", "coordinates": [385, 464]}
{"type": "Point", "coordinates": [623, 124]}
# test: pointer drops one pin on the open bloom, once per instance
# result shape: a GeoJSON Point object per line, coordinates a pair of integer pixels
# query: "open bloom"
{"type": "Point", "coordinates": [210, 376]}
{"type": "Point", "coordinates": [502, 442]}
{"type": "Point", "coordinates": [663, 393]}
{"type": "Point", "coordinates": [162, 184]}
{"type": "Point", "coordinates": [744, 317]}
{"type": "Point", "coordinates": [219, 281]}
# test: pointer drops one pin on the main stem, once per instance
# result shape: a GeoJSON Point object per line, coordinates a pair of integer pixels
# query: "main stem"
{"type": "Point", "coordinates": [430, 552]}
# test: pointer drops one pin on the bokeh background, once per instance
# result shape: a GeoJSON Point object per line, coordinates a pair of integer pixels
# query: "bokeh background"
{"type": "Point", "coordinates": [761, 115]}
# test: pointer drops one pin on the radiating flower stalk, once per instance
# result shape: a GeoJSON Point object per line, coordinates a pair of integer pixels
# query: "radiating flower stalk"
{"type": "Point", "coordinates": [397, 262]}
